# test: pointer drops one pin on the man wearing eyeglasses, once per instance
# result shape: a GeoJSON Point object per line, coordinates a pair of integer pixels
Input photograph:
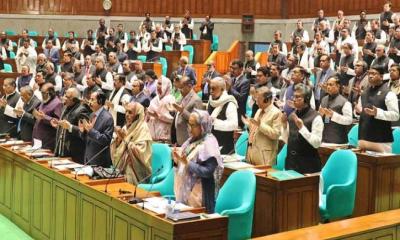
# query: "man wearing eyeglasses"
{"type": "Point", "coordinates": [382, 60]}
{"type": "Point", "coordinates": [210, 74]}
{"type": "Point", "coordinates": [378, 108]}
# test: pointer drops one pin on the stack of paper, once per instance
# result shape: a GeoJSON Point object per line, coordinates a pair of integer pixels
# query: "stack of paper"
{"type": "Point", "coordinates": [158, 205]}
{"type": "Point", "coordinates": [232, 158]}
{"type": "Point", "coordinates": [238, 165]}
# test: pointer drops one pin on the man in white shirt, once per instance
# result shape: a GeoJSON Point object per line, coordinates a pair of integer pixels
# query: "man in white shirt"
{"type": "Point", "coordinates": [26, 55]}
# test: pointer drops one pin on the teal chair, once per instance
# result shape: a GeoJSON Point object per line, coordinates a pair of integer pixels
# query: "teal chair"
{"type": "Point", "coordinates": [312, 79]}
{"type": "Point", "coordinates": [190, 49]}
{"type": "Point", "coordinates": [10, 32]}
{"type": "Point", "coordinates": [67, 35]}
{"type": "Point", "coordinates": [236, 200]}
{"type": "Point", "coordinates": [142, 58]}
{"type": "Point", "coordinates": [33, 34]}
{"type": "Point", "coordinates": [242, 143]}
{"type": "Point", "coordinates": [168, 48]}
{"type": "Point", "coordinates": [200, 94]}
{"type": "Point", "coordinates": [7, 68]}
{"type": "Point", "coordinates": [194, 37]}
{"type": "Point", "coordinates": [35, 43]}
{"type": "Point", "coordinates": [161, 161]}
{"type": "Point", "coordinates": [165, 186]}
{"type": "Point", "coordinates": [281, 159]}
{"type": "Point", "coordinates": [164, 64]}
{"type": "Point", "coordinates": [352, 136]}
{"type": "Point", "coordinates": [339, 177]}
{"type": "Point", "coordinates": [249, 109]}
{"type": "Point", "coordinates": [12, 55]}
{"type": "Point", "coordinates": [215, 44]}
{"type": "Point", "coordinates": [396, 142]}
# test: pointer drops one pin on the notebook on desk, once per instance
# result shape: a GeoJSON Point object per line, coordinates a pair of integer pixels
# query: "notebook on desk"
{"type": "Point", "coordinates": [182, 216]}
{"type": "Point", "coordinates": [286, 175]}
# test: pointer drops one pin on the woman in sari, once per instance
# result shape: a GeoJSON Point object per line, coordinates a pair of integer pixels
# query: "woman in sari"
{"type": "Point", "coordinates": [131, 149]}
{"type": "Point", "coordinates": [199, 164]}
{"type": "Point", "coordinates": [159, 118]}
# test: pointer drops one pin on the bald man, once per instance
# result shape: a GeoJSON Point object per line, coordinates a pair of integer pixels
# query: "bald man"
{"type": "Point", "coordinates": [68, 141]}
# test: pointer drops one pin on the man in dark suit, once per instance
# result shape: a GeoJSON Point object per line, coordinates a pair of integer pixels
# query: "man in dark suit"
{"type": "Point", "coordinates": [240, 87]}
{"type": "Point", "coordinates": [184, 108]}
{"type": "Point", "coordinates": [68, 141]}
{"type": "Point", "coordinates": [277, 57]}
{"type": "Point", "coordinates": [8, 119]}
{"type": "Point", "coordinates": [321, 77]}
{"type": "Point", "coordinates": [97, 132]}
{"type": "Point", "coordinates": [27, 121]}
{"type": "Point", "coordinates": [206, 29]}
{"type": "Point", "coordinates": [138, 94]}
{"type": "Point", "coordinates": [205, 85]}
{"type": "Point", "coordinates": [52, 53]}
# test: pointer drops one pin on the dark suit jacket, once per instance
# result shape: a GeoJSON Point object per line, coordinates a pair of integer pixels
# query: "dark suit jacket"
{"type": "Point", "coordinates": [27, 120]}
{"type": "Point", "coordinates": [280, 60]}
{"type": "Point", "coordinates": [9, 124]}
{"type": "Point", "coordinates": [210, 75]}
{"type": "Point", "coordinates": [54, 54]}
{"type": "Point", "coordinates": [98, 138]}
{"type": "Point", "coordinates": [240, 90]}
{"type": "Point", "coordinates": [142, 99]}
{"type": "Point", "coordinates": [210, 28]}
{"type": "Point", "coordinates": [181, 120]}
{"type": "Point", "coordinates": [72, 145]}
{"type": "Point", "coordinates": [329, 73]}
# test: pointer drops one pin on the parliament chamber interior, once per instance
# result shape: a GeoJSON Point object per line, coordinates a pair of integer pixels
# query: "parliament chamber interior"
{"type": "Point", "coordinates": [199, 119]}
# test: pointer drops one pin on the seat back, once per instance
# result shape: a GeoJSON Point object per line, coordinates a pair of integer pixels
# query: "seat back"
{"type": "Point", "coordinates": [164, 64]}
{"type": "Point", "coordinates": [161, 161]}
{"type": "Point", "coordinates": [396, 142]}
{"type": "Point", "coordinates": [242, 143]}
{"type": "Point", "coordinates": [142, 58]}
{"type": "Point", "coordinates": [194, 36]}
{"type": "Point", "coordinates": [7, 68]}
{"type": "Point", "coordinates": [10, 32]}
{"type": "Point", "coordinates": [249, 109]}
{"type": "Point", "coordinates": [281, 159]}
{"type": "Point", "coordinates": [168, 48]}
{"type": "Point", "coordinates": [238, 194]}
{"type": "Point", "coordinates": [33, 34]}
{"type": "Point", "coordinates": [12, 55]}
{"type": "Point", "coordinates": [341, 168]}
{"type": "Point", "coordinates": [215, 44]}
{"type": "Point", "coordinates": [165, 186]}
{"type": "Point", "coordinates": [352, 136]}
{"type": "Point", "coordinates": [190, 49]}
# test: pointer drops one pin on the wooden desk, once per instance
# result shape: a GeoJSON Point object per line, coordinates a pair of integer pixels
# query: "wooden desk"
{"type": "Point", "coordinates": [173, 59]}
{"type": "Point", "coordinates": [283, 205]}
{"type": "Point", "coordinates": [49, 204]}
{"type": "Point", "coordinates": [376, 226]}
{"type": "Point", "coordinates": [156, 67]}
{"type": "Point", "coordinates": [202, 49]}
{"type": "Point", "coordinates": [378, 182]}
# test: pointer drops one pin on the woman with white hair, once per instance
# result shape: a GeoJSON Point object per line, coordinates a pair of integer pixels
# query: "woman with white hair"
{"type": "Point", "coordinates": [223, 109]}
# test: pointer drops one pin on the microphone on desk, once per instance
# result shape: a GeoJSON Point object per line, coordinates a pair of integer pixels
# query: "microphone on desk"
{"type": "Point", "coordinates": [134, 199]}
{"type": "Point", "coordinates": [91, 159]}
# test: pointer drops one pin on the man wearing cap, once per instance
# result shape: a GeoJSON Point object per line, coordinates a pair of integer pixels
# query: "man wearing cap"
{"type": "Point", "coordinates": [377, 107]}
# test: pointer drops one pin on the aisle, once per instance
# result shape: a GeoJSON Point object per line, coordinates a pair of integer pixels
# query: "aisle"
{"type": "Point", "coordinates": [9, 231]}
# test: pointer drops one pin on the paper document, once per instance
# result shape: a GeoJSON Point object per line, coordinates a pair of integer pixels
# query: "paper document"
{"type": "Point", "coordinates": [9, 111]}
{"type": "Point", "coordinates": [238, 165]}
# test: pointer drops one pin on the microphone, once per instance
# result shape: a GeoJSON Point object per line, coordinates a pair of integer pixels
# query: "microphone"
{"type": "Point", "coordinates": [147, 194]}
{"type": "Point", "coordinates": [134, 199]}
{"type": "Point", "coordinates": [91, 159]}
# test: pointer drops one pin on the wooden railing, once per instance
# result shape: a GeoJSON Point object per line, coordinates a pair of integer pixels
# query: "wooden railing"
{"type": "Point", "coordinates": [223, 58]}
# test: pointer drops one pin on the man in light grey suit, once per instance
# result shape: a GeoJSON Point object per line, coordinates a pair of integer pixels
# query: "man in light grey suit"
{"type": "Point", "coordinates": [184, 108]}
{"type": "Point", "coordinates": [322, 75]}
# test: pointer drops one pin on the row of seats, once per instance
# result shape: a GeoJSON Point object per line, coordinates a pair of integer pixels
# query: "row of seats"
{"type": "Point", "coordinates": [239, 209]}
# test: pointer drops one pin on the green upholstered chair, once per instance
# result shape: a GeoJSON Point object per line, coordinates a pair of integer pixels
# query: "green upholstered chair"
{"type": "Point", "coordinates": [161, 161]}
{"type": "Point", "coordinates": [10, 32]}
{"type": "Point", "coordinates": [396, 142]}
{"type": "Point", "coordinates": [142, 58]}
{"type": "Point", "coordinates": [190, 49]}
{"type": "Point", "coordinates": [236, 200]}
{"type": "Point", "coordinates": [168, 48]}
{"type": "Point", "coordinates": [12, 55]}
{"type": "Point", "coordinates": [352, 136]}
{"type": "Point", "coordinates": [281, 159]}
{"type": "Point", "coordinates": [164, 64]}
{"type": "Point", "coordinates": [215, 44]}
{"type": "Point", "coordinates": [339, 178]}
{"type": "Point", "coordinates": [242, 143]}
{"type": "Point", "coordinates": [165, 186]}
{"type": "Point", "coordinates": [33, 34]}
{"type": "Point", "coordinates": [249, 109]}
{"type": "Point", "coordinates": [8, 68]}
